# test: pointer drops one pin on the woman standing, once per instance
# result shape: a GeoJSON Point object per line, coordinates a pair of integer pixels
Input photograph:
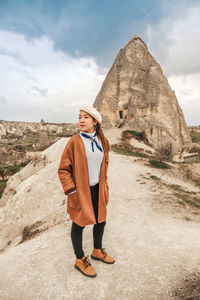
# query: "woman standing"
{"type": "Point", "coordinates": [83, 175]}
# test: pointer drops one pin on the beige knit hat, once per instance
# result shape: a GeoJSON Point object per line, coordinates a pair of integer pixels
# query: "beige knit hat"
{"type": "Point", "coordinates": [92, 111]}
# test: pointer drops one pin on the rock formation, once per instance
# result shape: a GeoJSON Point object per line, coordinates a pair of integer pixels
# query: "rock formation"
{"type": "Point", "coordinates": [136, 95]}
{"type": "Point", "coordinates": [15, 130]}
{"type": "Point", "coordinates": [32, 195]}
{"type": "Point", "coordinates": [43, 141]}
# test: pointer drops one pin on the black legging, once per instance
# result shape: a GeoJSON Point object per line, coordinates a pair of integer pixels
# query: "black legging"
{"type": "Point", "coordinates": [98, 228]}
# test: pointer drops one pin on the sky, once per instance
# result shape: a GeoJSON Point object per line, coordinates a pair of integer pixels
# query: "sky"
{"type": "Point", "coordinates": [54, 55]}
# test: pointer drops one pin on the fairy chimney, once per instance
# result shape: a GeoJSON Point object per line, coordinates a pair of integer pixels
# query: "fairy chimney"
{"type": "Point", "coordinates": [136, 95]}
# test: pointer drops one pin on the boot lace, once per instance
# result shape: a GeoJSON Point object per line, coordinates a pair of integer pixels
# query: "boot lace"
{"type": "Point", "coordinates": [86, 261]}
{"type": "Point", "coordinates": [104, 251]}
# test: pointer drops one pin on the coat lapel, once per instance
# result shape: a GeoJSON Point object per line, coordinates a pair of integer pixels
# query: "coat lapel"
{"type": "Point", "coordinates": [84, 162]}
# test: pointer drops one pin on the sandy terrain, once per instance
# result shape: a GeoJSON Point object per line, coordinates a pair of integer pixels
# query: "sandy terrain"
{"type": "Point", "coordinates": [154, 240]}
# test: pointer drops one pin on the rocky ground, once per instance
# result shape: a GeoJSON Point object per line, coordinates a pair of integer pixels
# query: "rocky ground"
{"type": "Point", "coordinates": [152, 231]}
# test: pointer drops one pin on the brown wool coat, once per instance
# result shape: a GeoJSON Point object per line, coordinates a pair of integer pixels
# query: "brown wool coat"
{"type": "Point", "coordinates": [73, 174]}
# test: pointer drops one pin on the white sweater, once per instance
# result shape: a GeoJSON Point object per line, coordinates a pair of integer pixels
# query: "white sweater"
{"type": "Point", "coordinates": [94, 159]}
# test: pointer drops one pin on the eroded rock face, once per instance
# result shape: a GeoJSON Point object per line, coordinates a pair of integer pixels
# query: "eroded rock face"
{"type": "Point", "coordinates": [136, 95]}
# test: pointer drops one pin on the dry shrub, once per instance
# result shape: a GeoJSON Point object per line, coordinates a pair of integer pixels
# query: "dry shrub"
{"type": "Point", "coordinates": [195, 135]}
{"type": "Point", "coordinates": [164, 152]}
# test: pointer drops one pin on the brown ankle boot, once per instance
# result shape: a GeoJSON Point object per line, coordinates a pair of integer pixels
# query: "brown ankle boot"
{"type": "Point", "coordinates": [84, 266]}
{"type": "Point", "coordinates": [100, 254]}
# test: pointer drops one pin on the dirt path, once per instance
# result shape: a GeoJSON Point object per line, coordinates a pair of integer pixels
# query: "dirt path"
{"type": "Point", "coordinates": [154, 245]}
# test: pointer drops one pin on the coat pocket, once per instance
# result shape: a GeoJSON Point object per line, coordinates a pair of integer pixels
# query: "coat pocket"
{"type": "Point", "coordinates": [73, 201]}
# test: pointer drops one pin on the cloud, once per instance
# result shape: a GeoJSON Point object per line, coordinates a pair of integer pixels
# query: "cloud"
{"type": "Point", "coordinates": [188, 93]}
{"type": "Point", "coordinates": [2, 100]}
{"type": "Point", "coordinates": [175, 43]}
{"type": "Point", "coordinates": [41, 92]}
{"type": "Point", "coordinates": [32, 70]}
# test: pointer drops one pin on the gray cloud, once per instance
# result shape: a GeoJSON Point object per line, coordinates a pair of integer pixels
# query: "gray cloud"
{"type": "Point", "coordinates": [28, 75]}
{"type": "Point", "coordinates": [42, 92]}
{"type": "Point", "coordinates": [3, 100]}
{"type": "Point", "coordinates": [6, 52]}
{"type": "Point", "coordinates": [17, 56]}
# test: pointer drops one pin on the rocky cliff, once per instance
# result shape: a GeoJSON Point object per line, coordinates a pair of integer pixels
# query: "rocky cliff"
{"type": "Point", "coordinates": [136, 95]}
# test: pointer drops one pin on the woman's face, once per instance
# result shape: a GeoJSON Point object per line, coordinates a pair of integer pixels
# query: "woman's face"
{"type": "Point", "coordinates": [86, 122]}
